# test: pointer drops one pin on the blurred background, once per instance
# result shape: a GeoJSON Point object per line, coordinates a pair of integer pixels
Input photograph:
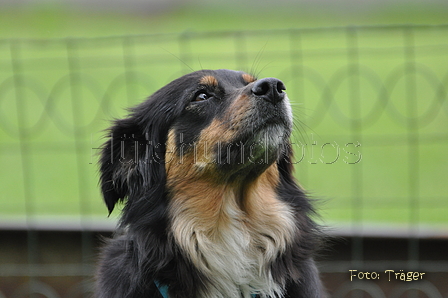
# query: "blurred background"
{"type": "Point", "coordinates": [368, 82]}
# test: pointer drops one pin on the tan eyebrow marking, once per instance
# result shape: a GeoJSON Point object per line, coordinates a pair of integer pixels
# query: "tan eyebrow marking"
{"type": "Point", "coordinates": [209, 81]}
{"type": "Point", "coordinates": [248, 78]}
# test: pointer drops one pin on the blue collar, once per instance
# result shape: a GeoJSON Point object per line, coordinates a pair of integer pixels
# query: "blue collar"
{"type": "Point", "coordinates": [163, 289]}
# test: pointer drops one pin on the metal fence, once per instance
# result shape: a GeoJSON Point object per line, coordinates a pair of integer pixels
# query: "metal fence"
{"type": "Point", "coordinates": [371, 137]}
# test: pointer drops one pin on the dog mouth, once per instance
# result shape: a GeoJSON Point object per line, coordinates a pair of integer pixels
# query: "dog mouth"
{"type": "Point", "coordinates": [269, 138]}
{"type": "Point", "coordinates": [269, 122]}
{"type": "Point", "coordinates": [260, 143]}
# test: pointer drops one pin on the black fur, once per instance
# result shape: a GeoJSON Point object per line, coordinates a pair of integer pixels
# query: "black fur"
{"type": "Point", "coordinates": [132, 170]}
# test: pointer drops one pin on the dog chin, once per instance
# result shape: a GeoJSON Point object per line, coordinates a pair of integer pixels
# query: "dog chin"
{"type": "Point", "coordinates": [273, 136]}
{"type": "Point", "coordinates": [276, 130]}
{"type": "Point", "coordinates": [258, 152]}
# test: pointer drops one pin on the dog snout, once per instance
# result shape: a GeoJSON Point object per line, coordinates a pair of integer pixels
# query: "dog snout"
{"type": "Point", "coordinates": [269, 89]}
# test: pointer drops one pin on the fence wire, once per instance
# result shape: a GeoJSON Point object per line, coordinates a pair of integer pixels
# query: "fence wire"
{"type": "Point", "coordinates": [371, 136]}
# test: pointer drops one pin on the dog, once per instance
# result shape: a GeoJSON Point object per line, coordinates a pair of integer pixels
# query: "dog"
{"type": "Point", "coordinates": [211, 208]}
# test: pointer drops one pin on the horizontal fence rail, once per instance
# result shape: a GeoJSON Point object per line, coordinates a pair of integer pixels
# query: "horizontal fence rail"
{"type": "Point", "coordinates": [370, 140]}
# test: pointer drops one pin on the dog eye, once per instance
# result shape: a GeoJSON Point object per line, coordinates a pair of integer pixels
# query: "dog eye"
{"type": "Point", "coordinates": [201, 96]}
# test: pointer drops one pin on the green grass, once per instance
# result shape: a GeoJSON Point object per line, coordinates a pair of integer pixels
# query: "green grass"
{"type": "Point", "coordinates": [53, 173]}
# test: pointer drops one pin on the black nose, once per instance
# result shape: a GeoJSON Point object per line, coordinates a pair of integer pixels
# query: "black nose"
{"type": "Point", "coordinates": [270, 89]}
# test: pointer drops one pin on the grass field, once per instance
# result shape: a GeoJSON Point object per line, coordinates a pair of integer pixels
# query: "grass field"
{"type": "Point", "coordinates": [383, 168]}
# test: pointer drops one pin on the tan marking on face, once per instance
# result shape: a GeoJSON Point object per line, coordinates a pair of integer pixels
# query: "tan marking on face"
{"type": "Point", "coordinates": [209, 81]}
{"type": "Point", "coordinates": [224, 129]}
{"type": "Point", "coordinates": [188, 164]}
{"type": "Point", "coordinates": [217, 131]}
{"type": "Point", "coordinates": [171, 152]}
{"type": "Point", "coordinates": [239, 110]}
{"type": "Point", "coordinates": [248, 78]}
{"type": "Point", "coordinates": [192, 162]}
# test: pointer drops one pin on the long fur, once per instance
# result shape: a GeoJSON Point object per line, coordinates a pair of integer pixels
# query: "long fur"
{"type": "Point", "coordinates": [211, 208]}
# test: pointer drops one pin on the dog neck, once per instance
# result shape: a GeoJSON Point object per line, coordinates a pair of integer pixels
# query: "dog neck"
{"type": "Point", "coordinates": [232, 233]}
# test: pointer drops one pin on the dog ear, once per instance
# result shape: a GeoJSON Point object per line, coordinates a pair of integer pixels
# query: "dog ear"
{"type": "Point", "coordinates": [117, 162]}
{"type": "Point", "coordinates": [132, 162]}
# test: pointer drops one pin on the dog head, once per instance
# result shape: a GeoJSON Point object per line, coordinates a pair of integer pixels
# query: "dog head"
{"type": "Point", "coordinates": [219, 126]}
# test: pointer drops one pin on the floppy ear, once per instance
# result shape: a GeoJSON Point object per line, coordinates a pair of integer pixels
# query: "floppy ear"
{"type": "Point", "coordinates": [118, 160]}
{"type": "Point", "coordinates": [133, 159]}
{"type": "Point", "coordinates": [132, 162]}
